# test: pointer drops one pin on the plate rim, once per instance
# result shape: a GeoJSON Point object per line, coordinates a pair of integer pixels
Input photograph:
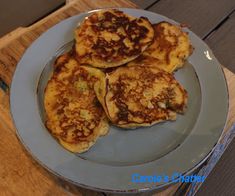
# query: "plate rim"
{"type": "Point", "coordinates": [109, 190]}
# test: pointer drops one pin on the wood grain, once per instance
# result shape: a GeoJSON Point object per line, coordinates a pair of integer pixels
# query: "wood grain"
{"type": "Point", "coordinates": [197, 14]}
{"type": "Point", "coordinates": [221, 181]}
{"type": "Point", "coordinates": [222, 42]}
{"type": "Point", "coordinates": [24, 12]}
{"type": "Point", "coordinates": [144, 3]}
{"type": "Point", "coordinates": [169, 191]}
{"type": "Point", "coordinates": [231, 87]}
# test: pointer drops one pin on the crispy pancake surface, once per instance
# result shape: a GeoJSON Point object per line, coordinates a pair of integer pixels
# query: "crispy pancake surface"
{"type": "Point", "coordinates": [109, 38]}
{"type": "Point", "coordinates": [73, 114]}
{"type": "Point", "coordinates": [169, 50]}
{"type": "Point", "coordinates": [141, 96]}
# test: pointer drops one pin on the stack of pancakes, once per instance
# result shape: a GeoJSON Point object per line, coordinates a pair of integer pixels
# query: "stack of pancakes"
{"type": "Point", "coordinates": [119, 71]}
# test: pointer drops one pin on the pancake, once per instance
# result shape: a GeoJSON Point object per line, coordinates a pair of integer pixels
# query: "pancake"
{"type": "Point", "coordinates": [109, 38]}
{"type": "Point", "coordinates": [140, 96]}
{"type": "Point", "coordinates": [74, 116]}
{"type": "Point", "coordinates": [169, 50]}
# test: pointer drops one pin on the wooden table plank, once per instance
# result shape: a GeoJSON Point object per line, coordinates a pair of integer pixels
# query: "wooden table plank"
{"type": "Point", "coordinates": [221, 179]}
{"type": "Point", "coordinates": [144, 3]}
{"type": "Point", "coordinates": [203, 16]}
{"type": "Point", "coordinates": [230, 77]}
{"type": "Point", "coordinates": [222, 42]}
{"type": "Point", "coordinates": [24, 12]}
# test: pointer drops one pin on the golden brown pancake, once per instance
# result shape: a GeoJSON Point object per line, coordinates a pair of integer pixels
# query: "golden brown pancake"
{"type": "Point", "coordinates": [140, 96]}
{"type": "Point", "coordinates": [169, 50]}
{"type": "Point", "coordinates": [109, 38]}
{"type": "Point", "coordinates": [74, 116]}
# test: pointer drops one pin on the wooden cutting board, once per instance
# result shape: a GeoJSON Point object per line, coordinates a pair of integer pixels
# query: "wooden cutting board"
{"type": "Point", "coordinates": [19, 173]}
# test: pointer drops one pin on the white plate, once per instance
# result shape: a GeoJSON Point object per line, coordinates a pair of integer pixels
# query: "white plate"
{"type": "Point", "coordinates": [162, 149]}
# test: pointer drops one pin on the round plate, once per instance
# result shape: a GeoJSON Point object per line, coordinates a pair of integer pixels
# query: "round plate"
{"type": "Point", "coordinates": [163, 149]}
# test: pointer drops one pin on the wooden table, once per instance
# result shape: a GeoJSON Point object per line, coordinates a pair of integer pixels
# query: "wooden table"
{"type": "Point", "coordinates": [212, 21]}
